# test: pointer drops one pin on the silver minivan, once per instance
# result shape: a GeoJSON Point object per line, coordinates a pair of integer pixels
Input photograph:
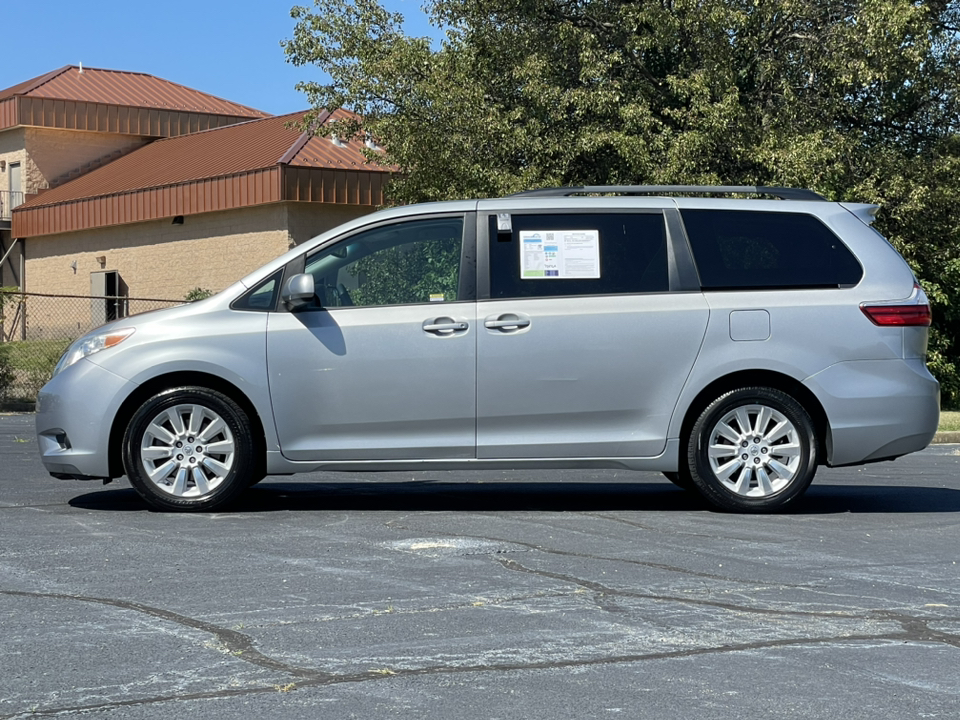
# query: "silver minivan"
{"type": "Point", "coordinates": [732, 344]}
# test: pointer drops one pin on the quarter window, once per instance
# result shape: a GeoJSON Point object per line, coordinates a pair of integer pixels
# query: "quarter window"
{"type": "Point", "coordinates": [555, 254]}
{"type": "Point", "coordinates": [407, 263]}
{"type": "Point", "coordinates": [737, 249]}
{"type": "Point", "coordinates": [263, 297]}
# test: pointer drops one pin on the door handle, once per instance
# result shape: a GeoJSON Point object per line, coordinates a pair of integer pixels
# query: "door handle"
{"type": "Point", "coordinates": [507, 322]}
{"type": "Point", "coordinates": [444, 326]}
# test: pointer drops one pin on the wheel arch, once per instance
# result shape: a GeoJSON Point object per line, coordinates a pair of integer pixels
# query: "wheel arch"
{"type": "Point", "coordinates": [182, 379]}
{"type": "Point", "coordinates": [762, 378]}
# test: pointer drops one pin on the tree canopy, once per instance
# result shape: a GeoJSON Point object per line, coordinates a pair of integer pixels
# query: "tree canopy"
{"type": "Point", "coordinates": [857, 99]}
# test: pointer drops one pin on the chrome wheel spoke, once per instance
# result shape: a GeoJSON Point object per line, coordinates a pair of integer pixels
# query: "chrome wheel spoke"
{"type": "Point", "coordinates": [763, 419]}
{"type": "Point", "coordinates": [196, 420]}
{"type": "Point", "coordinates": [200, 480]}
{"type": "Point", "coordinates": [223, 447]}
{"type": "Point", "coordinates": [764, 486]}
{"type": "Point", "coordinates": [158, 431]}
{"type": "Point", "coordinates": [176, 422]}
{"type": "Point", "coordinates": [782, 429]}
{"type": "Point", "coordinates": [781, 470]}
{"type": "Point", "coordinates": [216, 427]}
{"type": "Point", "coordinates": [743, 419]}
{"type": "Point", "coordinates": [180, 484]}
{"type": "Point", "coordinates": [790, 450]}
{"type": "Point", "coordinates": [725, 471]}
{"type": "Point", "coordinates": [742, 485]}
{"type": "Point", "coordinates": [721, 451]}
{"type": "Point", "coordinates": [216, 467]}
{"type": "Point", "coordinates": [160, 473]}
{"type": "Point", "coordinates": [728, 433]}
{"type": "Point", "coordinates": [156, 452]}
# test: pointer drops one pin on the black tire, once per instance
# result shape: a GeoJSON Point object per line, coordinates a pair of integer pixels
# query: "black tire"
{"type": "Point", "coordinates": [764, 450]}
{"type": "Point", "coordinates": [189, 449]}
{"type": "Point", "coordinates": [681, 479]}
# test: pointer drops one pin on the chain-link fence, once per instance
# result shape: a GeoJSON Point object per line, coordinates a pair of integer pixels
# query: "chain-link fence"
{"type": "Point", "coordinates": [35, 329]}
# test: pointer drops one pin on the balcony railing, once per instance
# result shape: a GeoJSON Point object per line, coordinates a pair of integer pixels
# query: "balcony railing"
{"type": "Point", "coordinates": [9, 199]}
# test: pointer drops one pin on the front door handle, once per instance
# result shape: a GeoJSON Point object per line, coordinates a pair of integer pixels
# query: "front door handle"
{"type": "Point", "coordinates": [444, 326]}
{"type": "Point", "coordinates": [506, 322]}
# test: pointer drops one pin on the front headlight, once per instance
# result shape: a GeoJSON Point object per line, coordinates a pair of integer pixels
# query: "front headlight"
{"type": "Point", "coordinates": [91, 344]}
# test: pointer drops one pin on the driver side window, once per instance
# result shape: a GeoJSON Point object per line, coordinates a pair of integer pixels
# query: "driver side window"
{"type": "Point", "coordinates": [407, 263]}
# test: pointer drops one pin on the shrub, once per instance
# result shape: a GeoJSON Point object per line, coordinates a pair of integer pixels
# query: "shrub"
{"type": "Point", "coordinates": [198, 293]}
{"type": "Point", "coordinates": [6, 372]}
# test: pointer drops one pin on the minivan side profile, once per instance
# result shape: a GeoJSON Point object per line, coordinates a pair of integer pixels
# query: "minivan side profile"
{"type": "Point", "coordinates": [732, 344]}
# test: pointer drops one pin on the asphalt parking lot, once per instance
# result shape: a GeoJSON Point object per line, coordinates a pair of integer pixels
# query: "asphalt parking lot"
{"type": "Point", "coordinates": [480, 596]}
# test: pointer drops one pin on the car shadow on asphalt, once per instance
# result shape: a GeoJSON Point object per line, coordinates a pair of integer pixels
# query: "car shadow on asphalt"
{"type": "Point", "coordinates": [506, 496]}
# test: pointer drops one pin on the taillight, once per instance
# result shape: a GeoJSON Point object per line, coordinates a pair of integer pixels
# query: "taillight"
{"type": "Point", "coordinates": [898, 315]}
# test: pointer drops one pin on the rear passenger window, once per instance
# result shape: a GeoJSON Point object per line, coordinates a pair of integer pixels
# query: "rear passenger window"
{"type": "Point", "coordinates": [737, 249]}
{"type": "Point", "coordinates": [545, 255]}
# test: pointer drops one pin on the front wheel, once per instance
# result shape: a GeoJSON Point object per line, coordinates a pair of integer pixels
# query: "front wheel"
{"type": "Point", "coordinates": [189, 448]}
{"type": "Point", "coordinates": [753, 450]}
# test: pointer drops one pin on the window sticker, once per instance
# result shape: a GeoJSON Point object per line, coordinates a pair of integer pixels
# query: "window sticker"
{"type": "Point", "coordinates": [558, 254]}
{"type": "Point", "coordinates": [436, 297]}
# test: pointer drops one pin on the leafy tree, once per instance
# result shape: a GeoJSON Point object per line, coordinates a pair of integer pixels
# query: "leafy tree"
{"type": "Point", "coordinates": [857, 99]}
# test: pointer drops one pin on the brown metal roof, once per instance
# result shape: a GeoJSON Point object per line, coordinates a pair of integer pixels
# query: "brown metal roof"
{"type": "Point", "coordinates": [114, 87]}
{"type": "Point", "coordinates": [230, 150]}
{"type": "Point", "coordinates": [251, 163]}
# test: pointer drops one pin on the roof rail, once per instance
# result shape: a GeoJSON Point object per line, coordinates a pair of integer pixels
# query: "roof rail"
{"type": "Point", "coordinates": [781, 193]}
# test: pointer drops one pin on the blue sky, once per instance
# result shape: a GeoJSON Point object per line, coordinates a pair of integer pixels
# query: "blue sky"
{"type": "Point", "coordinates": [228, 48]}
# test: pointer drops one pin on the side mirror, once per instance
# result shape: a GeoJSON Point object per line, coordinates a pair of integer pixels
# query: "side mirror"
{"type": "Point", "coordinates": [298, 291]}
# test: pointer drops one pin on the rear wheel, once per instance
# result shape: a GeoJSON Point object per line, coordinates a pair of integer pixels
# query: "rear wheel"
{"type": "Point", "coordinates": [189, 448]}
{"type": "Point", "coordinates": [753, 450]}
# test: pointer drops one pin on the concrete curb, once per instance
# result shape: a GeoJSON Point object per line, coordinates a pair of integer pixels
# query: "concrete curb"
{"type": "Point", "coordinates": [17, 407]}
{"type": "Point", "coordinates": [946, 438]}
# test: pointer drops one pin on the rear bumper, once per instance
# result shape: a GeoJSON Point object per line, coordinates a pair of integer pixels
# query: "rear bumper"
{"type": "Point", "coordinates": [877, 409]}
{"type": "Point", "coordinates": [75, 412]}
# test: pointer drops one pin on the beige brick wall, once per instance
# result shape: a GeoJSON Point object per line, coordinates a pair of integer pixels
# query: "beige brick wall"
{"type": "Point", "coordinates": [45, 155]}
{"type": "Point", "coordinates": [53, 153]}
{"type": "Point", "coordinates": [160, 260]}
{"type": "Point", "coordinates": [307, 220]}
{"type": "Point", "coordinates": [12, 150]}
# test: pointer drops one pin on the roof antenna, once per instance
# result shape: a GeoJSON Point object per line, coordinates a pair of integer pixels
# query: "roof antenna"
{"type": "Point", "coordinates": [81, 68]}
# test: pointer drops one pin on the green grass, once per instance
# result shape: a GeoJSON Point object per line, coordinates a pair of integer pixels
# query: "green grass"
{"type": "Point", "coordinates": [949, 421]}
{"type": "Point", "coordinates": [30, 354]}
{"type": "Point", "coordinates": [27, 365]}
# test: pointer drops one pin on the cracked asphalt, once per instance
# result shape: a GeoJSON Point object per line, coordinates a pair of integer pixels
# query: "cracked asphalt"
{"type": "Point", "coordinates": [481, 596]}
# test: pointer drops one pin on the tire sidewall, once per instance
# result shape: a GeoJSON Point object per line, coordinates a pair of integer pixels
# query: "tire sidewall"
{"type": "Point", "coordinates": [699, 464]}
{"type": "Point", "coordinates": [237, 479]}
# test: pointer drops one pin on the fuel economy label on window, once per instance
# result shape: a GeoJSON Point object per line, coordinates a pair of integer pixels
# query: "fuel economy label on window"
{"type": "Point", "coordinates": [558, 254]}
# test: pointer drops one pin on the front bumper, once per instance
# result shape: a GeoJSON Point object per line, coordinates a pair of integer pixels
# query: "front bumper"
{"type": "Point", "coordinates": [75, 414]}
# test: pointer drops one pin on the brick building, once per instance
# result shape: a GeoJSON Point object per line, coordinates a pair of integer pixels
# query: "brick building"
{"type": "Point", "coordinates": [132, 185]}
